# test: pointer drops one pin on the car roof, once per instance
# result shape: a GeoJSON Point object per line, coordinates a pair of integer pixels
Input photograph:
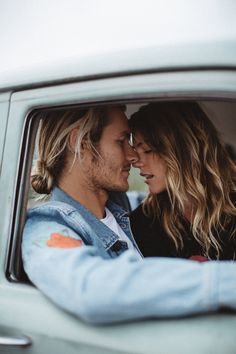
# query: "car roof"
{"type": "Point", "coordinates": [71, 40]}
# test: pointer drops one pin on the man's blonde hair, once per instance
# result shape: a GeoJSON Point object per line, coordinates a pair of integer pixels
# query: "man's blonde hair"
{"type": "Point", "coordinates": [53, 143]}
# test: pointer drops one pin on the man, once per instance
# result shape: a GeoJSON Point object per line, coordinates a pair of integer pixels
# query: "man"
{"type": "Point", "coordinates": [78, 248]}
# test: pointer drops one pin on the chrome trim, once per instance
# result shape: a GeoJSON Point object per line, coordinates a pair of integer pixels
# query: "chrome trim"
{"type": "Point", "coordinates": [22, 341]}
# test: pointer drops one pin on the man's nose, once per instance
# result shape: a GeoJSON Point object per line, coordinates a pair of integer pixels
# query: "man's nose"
{"type": "Point", "coordinates": [137, 163]}
{"type": "Point", "coordinates": [132, 155]}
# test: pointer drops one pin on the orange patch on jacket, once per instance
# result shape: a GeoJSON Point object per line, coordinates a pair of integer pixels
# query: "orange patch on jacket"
{"type": "Point", "coordinates": [62, 241]}
{"type": "Point", "coordinates": [198, 258]}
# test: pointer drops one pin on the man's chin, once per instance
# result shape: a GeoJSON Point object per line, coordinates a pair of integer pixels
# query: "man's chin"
{"type": "Point", "coordinates": [119, 188]}
{"type": "Point", "coordinates": [124, 187]}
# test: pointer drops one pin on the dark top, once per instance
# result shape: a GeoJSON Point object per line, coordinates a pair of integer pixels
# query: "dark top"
{"type": "Point", "coordinates": [153, 241]}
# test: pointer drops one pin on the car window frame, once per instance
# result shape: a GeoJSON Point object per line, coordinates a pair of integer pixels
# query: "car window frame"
{"type": "Point", "coordinates": [187, 85]}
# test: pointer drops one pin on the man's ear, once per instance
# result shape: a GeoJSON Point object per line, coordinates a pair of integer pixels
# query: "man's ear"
{"type": "Point", "coordinates": [73, 139]}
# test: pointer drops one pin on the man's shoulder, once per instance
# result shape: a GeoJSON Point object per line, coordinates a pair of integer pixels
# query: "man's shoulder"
{"type": "Point", "coordinates": [50, 208]}
{"type": "Point", "coordinates": [48, 225]}
{"type": "Point", "coordinates": [47, 218]}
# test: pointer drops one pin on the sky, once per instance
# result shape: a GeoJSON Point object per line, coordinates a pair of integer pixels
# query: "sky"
{"type": "Point", "coordinates": [42, 31]}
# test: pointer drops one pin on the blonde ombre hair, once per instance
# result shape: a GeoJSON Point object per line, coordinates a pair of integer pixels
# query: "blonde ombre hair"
{"type": "Point", "coordinates": [53, 141]}
{"type": "Point", "coordinates": [199, 170]}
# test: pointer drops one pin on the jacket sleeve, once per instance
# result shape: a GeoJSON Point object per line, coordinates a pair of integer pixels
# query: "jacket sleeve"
{"type": "Point", "coordinates": [109, 290]}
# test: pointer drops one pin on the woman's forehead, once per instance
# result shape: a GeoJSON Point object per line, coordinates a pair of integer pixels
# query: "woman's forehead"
{"type": "Point", "coordinates": [138, 139]}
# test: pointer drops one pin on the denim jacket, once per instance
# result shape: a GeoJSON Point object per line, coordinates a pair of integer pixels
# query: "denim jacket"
{"type": "Point", "coordinates": [78, 262]}
{"type": "Point", "coordinates": [91, 230]}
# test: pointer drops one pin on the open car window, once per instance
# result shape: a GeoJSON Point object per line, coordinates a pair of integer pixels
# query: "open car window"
{"type": "Point", "coordinates": [221, 113]}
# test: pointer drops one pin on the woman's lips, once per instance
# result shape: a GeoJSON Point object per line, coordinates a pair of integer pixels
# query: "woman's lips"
{"type": "Point", "coordinates": [147, 176]}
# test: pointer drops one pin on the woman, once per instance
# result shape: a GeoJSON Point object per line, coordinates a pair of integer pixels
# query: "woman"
{"type": "Point", "coordinates": [190, 210]}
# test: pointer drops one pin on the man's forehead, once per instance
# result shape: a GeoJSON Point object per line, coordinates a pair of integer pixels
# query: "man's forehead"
{"type": "Point", "coordinates": [118, 121]}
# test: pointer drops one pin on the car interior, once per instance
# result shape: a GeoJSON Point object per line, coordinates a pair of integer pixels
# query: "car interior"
{"type": "Point", "coordinates": [222, 114]}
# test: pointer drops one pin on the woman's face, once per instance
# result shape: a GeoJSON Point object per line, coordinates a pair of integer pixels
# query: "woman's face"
{"type": "Point", "coordinates": [152, 166]}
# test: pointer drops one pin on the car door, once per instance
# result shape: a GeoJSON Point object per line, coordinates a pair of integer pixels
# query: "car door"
{"type": "Point", "coordinates": [29, 321]}
{"type": "Point", "coordinates": [4, 109]}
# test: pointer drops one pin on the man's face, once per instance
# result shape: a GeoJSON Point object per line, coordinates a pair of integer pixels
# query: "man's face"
{"type": "Point", "coordinates": [112, 171]}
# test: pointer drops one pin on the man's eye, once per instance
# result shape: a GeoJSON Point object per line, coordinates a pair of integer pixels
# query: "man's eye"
{"type": "Point", "coordinates": [147, 151]}
{"type": "Point", "coordinates": [121, 141]}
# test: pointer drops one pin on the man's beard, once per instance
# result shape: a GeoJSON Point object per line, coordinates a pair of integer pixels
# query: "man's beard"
{"type": "Point", "coordinates": [100, 176]}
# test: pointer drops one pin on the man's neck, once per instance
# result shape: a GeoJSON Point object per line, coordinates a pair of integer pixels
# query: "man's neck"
{"type": "Point", "coordinates": [93, 200]}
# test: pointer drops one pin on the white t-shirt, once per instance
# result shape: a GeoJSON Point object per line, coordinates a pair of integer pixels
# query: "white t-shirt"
{"type": "Point", "coordinates": [110, 221]}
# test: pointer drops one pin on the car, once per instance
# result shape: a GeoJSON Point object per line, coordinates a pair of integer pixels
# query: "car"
{"type": "Point", "coordinates": [59, 54]}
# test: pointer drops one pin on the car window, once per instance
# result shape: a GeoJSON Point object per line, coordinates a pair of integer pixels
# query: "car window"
{"type": "Point", "coordinates": [221, 113]}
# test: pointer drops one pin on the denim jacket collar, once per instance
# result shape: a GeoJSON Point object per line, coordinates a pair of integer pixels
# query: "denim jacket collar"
{"type": "Point", "coordinates": [61, 196]}
{"type": "Point", "coordinates": [106, 235]}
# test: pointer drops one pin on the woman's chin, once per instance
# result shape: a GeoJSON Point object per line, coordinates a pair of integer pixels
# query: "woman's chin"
{"type": "Point", "coordinates": [156, 189]}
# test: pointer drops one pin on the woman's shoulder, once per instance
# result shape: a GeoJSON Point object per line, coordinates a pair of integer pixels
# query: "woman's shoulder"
{"type": "Point", "coordinates": [143, 222]}
{"type": "Point", "coordinates": [137, 211]}
{"type": "Point", "coordinates": [138, 215]}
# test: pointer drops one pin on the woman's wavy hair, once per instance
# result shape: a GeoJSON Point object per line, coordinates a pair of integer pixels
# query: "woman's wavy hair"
{"type": "Point", "coordinates": [53, 141]}
{"type": "Point", "coordinates": [198, 169]}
